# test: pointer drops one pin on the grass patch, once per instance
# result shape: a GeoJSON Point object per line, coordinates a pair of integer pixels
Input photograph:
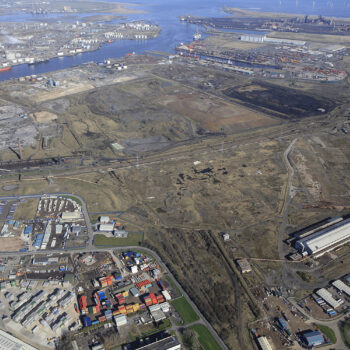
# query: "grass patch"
{"type": "Point", "coordinates": [345, 332]}
{"type": "Point", "coordinates": [328, 332]}
{"type": "Point", "coordinates": [133, 239]}
{"type": "Point", "coordinates": [185, 310]}
{"type": "Point", "coordinates": [162, 326]}
{"type": "Point", "coordinates": [306, 277]}
{"type": "Point", "coordinates": [75, 199]}
{"type": "Point", "coordinates": [173, 284]}
{"type": "Point", "coordinates": [205, 338]}
{"type": "Point", "coordinates": [27, 210]}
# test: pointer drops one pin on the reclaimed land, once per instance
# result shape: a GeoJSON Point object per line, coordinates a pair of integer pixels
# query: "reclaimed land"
{"type": "Point", "coordinates": [133, 239]}
{"type": "Point", "coordinates": [279, 101]}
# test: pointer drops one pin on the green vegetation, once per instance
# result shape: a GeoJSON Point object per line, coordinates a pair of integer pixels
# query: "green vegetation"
{"type": "Point", "coordinates": [75, 199]}
{"type": "Point", "coordinates": [173, 284]}
{"type": "Point", "coordinates": [133, 239]}
{"type": "Point", "coordinates": [185, 310]}
{"type": "Point", "coordinates": [206, 339]}
{"type": "Point", "coordinates": [328, 332]}
{"type": "Point", "coordinates": [26, 210]}
{"type": "Point", "coordinates": [162, 326]}
{"type": "Point", "coordinates": [345, 332]}
{"type": "Point", "coordinates": [306, 277]}
{"type": "Point", "coordinates": [190, 339]}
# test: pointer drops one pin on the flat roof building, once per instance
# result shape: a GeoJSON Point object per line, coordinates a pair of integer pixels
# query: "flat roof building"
{"type": "Point", "coordinates": [70, 215]}
{"type": "Point", "coordinates": [169, 343]}
{"type": "Point", "coordinates": [325, 239]}
{"type": "Point", "coordinates": [120, 320]}
{"type": "Point", "coordinates": [9, 342]}
{"type": "Point", "coordinates": [244, 265]}
{"type": "Point", "coordinates": [106, 227]}
{"type": "Point", "coordinates": [340, 285]}
{"type": "Point", "coordinates": [104, 219]}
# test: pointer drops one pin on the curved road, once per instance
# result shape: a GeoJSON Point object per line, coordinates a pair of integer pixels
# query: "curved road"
{"type": "Point", "coordinates": [332, 323]}
{"type": "Point", "coordinates": [91, 248]}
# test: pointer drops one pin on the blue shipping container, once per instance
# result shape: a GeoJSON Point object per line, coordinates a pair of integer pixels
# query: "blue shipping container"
{"type": "Point", "coordinates": [86, 321]}
{"type": "Point", "coordinates": [283, 323]}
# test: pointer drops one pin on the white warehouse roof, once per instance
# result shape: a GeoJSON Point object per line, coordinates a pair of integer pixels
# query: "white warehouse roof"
{"type": "Point", "coordinates": [120, 320]}
{"type": "Point", "coordinates": [328, 298]}
{"type": "Point", "coordinates": [106, 227]}
{"type": "Point", "coordinates": [8, 342]}
{"type": "Point", "coordinates": [342, 286]}
{"type": "Point", "coordinates": [264, 343]}
{"type": "Point", "coordinates": [325, 238]}
{"type": "Point", "coordinates": [104, 219]}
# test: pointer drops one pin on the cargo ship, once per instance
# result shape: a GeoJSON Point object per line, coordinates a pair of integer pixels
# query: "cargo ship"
{"type": "Point", "coordinates": [197, 35]}
{"type": "Point", "coordinates": [5, 69]}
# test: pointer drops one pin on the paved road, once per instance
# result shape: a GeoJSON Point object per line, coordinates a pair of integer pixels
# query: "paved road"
{"type": "Point", "coordinates": [331, 323]}
{"type": "Point", "coordinates": [83, 209]}
{"type": "Point", "coordinates": [87, 249]}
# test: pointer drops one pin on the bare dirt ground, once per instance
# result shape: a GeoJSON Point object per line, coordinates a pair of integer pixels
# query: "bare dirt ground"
{"type": "Point", "coordinates": [44, 117]}
{"type": "Point", "coordinates": [214, 114]}
{"type": "Point", "coordinates": [62, 92]}
{"type": "Point", "coordinates": [11, 244]}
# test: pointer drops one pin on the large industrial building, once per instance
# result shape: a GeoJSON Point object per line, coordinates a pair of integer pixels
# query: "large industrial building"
{"type": "Point", "coordinates": [325, 239]}
{"type": "Point", "coordinates": [256, 38]}
{"type": "Point", "coordinates": [312, 339]}
{"type": "Point", "coordinates": [342, 287]}
{"type": "Point", "coordinates": [329, 299]}
{"type": "Point", "coordinates": [169, 343]}
{"type": "Point", "coordinates": [9, 342]}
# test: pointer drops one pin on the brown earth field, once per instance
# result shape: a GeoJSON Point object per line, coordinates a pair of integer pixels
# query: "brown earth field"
{"type": "Point", "coordinates": [11, 244]}
{"type": "Point", "coordinates": [183, 209]}
{"type": "Point", "coordinates": [214, 114]}
{"type": "Point", "coordinates": [187, 199]}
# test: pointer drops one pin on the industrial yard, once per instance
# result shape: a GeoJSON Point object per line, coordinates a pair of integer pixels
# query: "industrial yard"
{"type": "Point", "coordinates": [245, 19]}
{"type": "Point", "coordinates": [197, 197]}
{"type": "Point", "coordinates": [56, 222]}
{"type": "Point", "coordinates": [49, 39]}
{"type": "Point", "coordinates": [123, 292]}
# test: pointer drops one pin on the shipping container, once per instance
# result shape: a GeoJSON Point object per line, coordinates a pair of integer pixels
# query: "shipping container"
{"type": "Point", "coordinates": [86, 321]}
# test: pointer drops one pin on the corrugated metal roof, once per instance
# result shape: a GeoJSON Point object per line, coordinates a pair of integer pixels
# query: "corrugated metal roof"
{"type": "Point", "coordinates": [313, 338]}
{"type": "Point", "coordinates": [326, 237]}
{"type": "Point", "coordinates": [328, 298]}
{"type": "Point", "coordinates": [264, 343]}
{"type": "Point", "coordinates": [341, 286]}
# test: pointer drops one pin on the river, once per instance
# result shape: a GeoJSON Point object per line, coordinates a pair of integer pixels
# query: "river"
{"type": "Point", "coordinates": [166, 13]}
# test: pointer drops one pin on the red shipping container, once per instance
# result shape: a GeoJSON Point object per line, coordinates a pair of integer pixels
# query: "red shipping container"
{"type": "Point", "coordinates": [102, 318]}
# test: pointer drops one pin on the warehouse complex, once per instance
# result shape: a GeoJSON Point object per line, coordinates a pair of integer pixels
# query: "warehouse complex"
{"type": "Point", "coordinates": [325, 238]}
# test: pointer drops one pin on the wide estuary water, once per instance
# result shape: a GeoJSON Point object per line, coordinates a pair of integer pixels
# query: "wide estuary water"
{"type": "Point", "coordinates": [166, 13]}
